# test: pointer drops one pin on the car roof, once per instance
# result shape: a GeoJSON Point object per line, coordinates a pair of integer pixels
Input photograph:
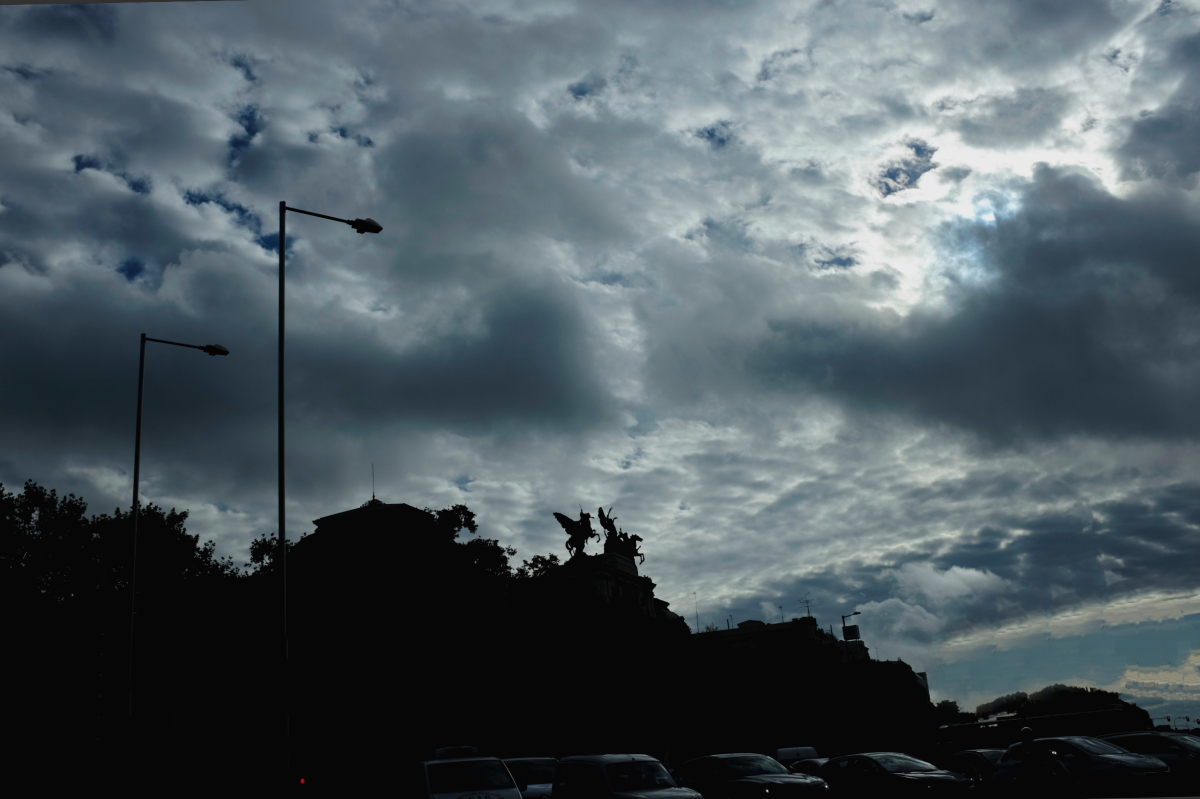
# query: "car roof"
{"type": "Point", "coordinates": [989, 749]}
{"type": "Point", "coordinates": [458, 760]}
{"type": "Point", "coordinates": [1138, 732]}
{"type": "Point", "coordinates": [737, 754]}
{"type": "Point", "coordinates": [607, 758]}
{"type": "Point", "coordinates": [518, 759]}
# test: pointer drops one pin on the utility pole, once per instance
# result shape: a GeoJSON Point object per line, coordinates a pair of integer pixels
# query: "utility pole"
{"type": "Point", "coordinates": [697, 601]}
{"type": "Point", "coordinates": [780, 613]}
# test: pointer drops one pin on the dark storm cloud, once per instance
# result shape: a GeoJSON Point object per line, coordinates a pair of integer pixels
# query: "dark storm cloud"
{"type": "Point", "coordinates": [85, 21]}
{"type": "Point", "coordinates": [1021, 118]}
{"type": "Point", "coordinates": [1165, 143]}
{"type": "Point", "coordinates": [1028, 34]}
{"type": "Point", "coordinates": [530, 366]}
{"type": "Point", "coordinates": [1080, 321]}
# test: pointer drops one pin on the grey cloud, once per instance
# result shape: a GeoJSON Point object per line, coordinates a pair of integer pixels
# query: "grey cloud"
{"type": "Point", "coordinates": [1165, 143]}
{"type": "Point", "coordinates": [81, 21]}
{"type": "Point", "coordinates": [1021, 118]}
{"type": "Point", "coordinates": [462, 174]}
{"type": "Point", "coordinates": [1023, 566]}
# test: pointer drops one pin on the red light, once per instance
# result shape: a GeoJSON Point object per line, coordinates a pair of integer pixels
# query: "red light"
{"type": "Point", "coordinates": [301, 780]}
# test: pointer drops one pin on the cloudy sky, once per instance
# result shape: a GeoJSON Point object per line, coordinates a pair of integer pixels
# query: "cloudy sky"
{"type": "Point", "coordinates": [892, 305]}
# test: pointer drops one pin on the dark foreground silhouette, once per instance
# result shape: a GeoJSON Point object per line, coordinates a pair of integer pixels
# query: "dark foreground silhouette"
{"type": "Point", "coordinates": [407, 632]}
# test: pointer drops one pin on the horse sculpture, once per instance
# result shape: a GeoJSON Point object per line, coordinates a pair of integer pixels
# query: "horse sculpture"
{"type": "Point", "coordinates": [578, 532]}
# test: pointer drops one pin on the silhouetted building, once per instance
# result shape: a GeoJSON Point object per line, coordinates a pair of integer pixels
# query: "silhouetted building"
{"type": "Point", "coordinates": [615, 580]}
{"type": "Point", "coordinates": [799, 637]}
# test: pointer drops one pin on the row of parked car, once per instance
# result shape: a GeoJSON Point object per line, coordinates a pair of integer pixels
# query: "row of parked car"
{"type": "Point", "coordinates": [1138, 763]}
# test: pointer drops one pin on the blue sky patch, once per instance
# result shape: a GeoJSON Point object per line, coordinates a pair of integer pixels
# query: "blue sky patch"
{"type": "Point", "coordinates": [242, 64]}
{"type": "Point", "coordinates": [245, 217]}
{"type": "Point", "coordinates": [718, 135]}
{"type": "Point", "coordinates": [357, 138]}
{"type": "Point", "coordinates": [83, 162]}
{"type": "Point", "coordinates": [252, 123]}
{"type": "Point", "coordinates": [130, 268]}
{"type": "Point", "coordinates": [139, 185]}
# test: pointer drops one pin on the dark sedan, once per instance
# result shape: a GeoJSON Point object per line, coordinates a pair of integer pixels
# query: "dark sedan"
{"type": "Point", "coordinates": [890, 774]}
{"type": "Point", "coordinates": [1179, 750]}
{"type": "Point", "coordinates": [739, 775]}
{"type": "Point", "coordinates": [977, 765]}
{"type": "Point", "coordinates": [809, 765]}
{"type": "Point", "coordinates": [1078, 765]}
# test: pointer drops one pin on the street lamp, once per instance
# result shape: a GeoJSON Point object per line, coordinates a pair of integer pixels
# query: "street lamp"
{"type": "Point", "coordinates": [211, 349]}
{"type": "Point", "coordinates": [848, 616]}
{"type": "Point", "coordinates": [367, 225]}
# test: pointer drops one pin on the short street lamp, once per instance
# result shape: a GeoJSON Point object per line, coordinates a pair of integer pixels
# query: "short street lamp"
{"type": "Point", "coordinates": [211, 349]}
{"type": "Point", "coordinates": [367, 225]}
{"type": "Point", "coordinates": [849, 616]}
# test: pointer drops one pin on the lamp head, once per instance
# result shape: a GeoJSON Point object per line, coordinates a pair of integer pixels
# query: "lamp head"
{"type": "Point", "coordinates": [367, 225]}
{"type": "Point", "coordinates": [214, 349]}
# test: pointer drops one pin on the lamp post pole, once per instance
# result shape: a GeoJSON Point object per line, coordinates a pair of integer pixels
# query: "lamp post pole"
{"type": "Point", "coordinates": [848, 616]}
{"type": "Point", "coordinates": [211, 349]}
{"type": "Point", "coordinates": [367, 225]}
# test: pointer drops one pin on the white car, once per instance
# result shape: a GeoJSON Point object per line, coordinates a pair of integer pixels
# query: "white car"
{"type": "Point", "coordinates": [616, 777]}
{"type": "Point", "coordinates": [469, 778]}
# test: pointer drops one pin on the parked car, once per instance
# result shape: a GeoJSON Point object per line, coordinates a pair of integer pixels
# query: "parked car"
{"type": "Point", "coordinates": [791, 754]}
{"type": "Point", "coordinates": [469, 776]}
{"type": "Point", "coordinates": [535, 773]}
{"type": "Point", "coordinates": [808, 766]}
{"type": "Point", "coordinates": [977, 765]}
{"type": "Point", "coordinates": [737, 775]}
{"type": "Point", "coordinates": [1179, 750]}
{"type": "Point", "coordinates": [890, 774]}
{"type": "Point", "coordinates": [1081, 766]}
{"type": "Point", "coordinates": [615, 777]}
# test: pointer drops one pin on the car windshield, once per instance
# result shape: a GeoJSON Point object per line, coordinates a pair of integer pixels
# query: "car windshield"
{"type": "Point", "coordinates": [1097, 747]}
{"type": "Point", "coordinates": [639, 775]}
{"type": "Point", "coordinates": [750, 765]}
{"type": "Point", "coordinates": [992, 755]}
{"type": "Point", "coordinates": [1186, 741]}
{"type": "Point", "coordinates": [902, 763]}
{"type": "Point", "coordinates": [468, 775]}
{"type": "Point", "coordinates": [532, 772]}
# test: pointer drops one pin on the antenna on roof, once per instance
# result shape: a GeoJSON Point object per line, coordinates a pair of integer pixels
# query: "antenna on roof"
{"type": "Point", "coordinates": [372, 482]}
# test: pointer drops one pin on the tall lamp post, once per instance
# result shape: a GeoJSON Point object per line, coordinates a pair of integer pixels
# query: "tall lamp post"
{"type": "Point", "coordinates": [211, 349]}
{"type": "Point", "coordinates": [848, 616]}
{"type": "Point", "coordinates": [367, 225]}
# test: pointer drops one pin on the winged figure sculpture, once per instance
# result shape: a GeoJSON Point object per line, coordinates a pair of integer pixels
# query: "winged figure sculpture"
{"type": "Point", "coordinates": [579, 532]}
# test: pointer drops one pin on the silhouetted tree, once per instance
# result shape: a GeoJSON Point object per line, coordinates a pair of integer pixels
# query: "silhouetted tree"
{"type": "Point", "coordinates": [948, 712]}
{"type": "Point", "coordinates": [540, 565]}
{"type": "Point", "coordinates": [264, 551]}
{"type": "Point", "coordinates": [1051, 700]}
{"type": "Point", "coordinates": [453, 519]}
